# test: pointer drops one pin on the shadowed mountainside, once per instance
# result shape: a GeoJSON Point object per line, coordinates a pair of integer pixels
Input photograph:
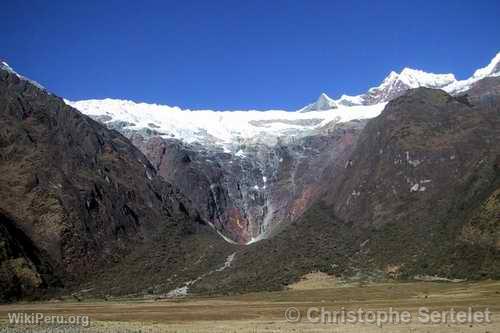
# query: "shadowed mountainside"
{"type": "Point", "coordinates": [75, 196]}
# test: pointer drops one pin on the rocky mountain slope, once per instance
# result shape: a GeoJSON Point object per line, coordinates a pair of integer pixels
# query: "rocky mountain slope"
{"type": "Point", "coordinates": [247, 196]}
{"type": "Point", "coordinates": [75, 196]}
{"type": "Point", "coordinates": [419, 198]}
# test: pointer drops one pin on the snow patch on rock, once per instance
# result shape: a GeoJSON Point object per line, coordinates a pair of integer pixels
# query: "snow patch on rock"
{"type": "Point", "coordinates": [178, 292]}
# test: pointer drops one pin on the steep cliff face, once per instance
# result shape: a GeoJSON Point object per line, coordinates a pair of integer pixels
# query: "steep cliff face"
{"type": "Point", "coordinates": [250, 195]}
{"type": "Point", "coordinates": [74, 196]}
{"type": "Point", "coordinates": [231, 192]}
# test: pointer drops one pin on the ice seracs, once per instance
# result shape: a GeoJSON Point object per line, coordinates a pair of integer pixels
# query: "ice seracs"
{"type": "Point", "coordinates": [229, 130]}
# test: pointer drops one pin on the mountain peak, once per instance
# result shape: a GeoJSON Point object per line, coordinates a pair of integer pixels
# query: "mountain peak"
{"type": "Point", "coordinates": [323, 103]}
{"type": "Point", "coordinates": [392, 76]}
{"type": "Point", "coordinates": [396, 84]}
{"type": "Point", "coordinates": [411, 71]}
{"type": "Point", "coordinates": [324, 98]}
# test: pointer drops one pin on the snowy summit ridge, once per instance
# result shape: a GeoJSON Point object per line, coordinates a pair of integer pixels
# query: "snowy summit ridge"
{"type": "Point", "coordinates": [415, 78]}
{"type": "Point", "coordinates": [492, 69]}
{"type": "Point", "coordinates": [228, 129]}
{"type": "Point", "coordinates": [396, 83]}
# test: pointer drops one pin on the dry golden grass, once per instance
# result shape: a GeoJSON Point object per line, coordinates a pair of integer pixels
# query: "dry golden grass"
{"type": "Point", "coordinates": [264, 311]}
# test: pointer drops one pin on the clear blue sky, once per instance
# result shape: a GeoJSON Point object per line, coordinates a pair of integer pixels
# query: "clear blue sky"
{"type": "Point", "coordinates": [240, 54]}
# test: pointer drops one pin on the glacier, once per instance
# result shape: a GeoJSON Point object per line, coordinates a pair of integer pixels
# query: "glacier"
{"type": "Point", "coordinates": [226, 129]}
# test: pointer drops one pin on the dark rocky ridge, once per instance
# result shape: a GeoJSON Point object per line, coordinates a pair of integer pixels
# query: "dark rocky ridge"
{"type": "Point", "coordinates": [421, 170]}
{"type": "Point", "coordinates": [75, 197]}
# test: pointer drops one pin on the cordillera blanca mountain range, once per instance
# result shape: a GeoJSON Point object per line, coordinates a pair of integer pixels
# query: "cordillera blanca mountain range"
{"type": "Point", "coordinates": [400, 182]}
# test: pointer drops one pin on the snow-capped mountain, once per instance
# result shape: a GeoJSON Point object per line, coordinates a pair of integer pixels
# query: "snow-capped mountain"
{"type": "Point", "coordinates": [230, 129]}
{"type": "Point", "coordinates": [323, 103]}
{"type": "Point", "coordinates": [395, 84]}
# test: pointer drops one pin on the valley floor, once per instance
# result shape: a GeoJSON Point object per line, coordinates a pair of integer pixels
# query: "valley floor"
{"type": "Point", "coordinates": [265, 311]}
